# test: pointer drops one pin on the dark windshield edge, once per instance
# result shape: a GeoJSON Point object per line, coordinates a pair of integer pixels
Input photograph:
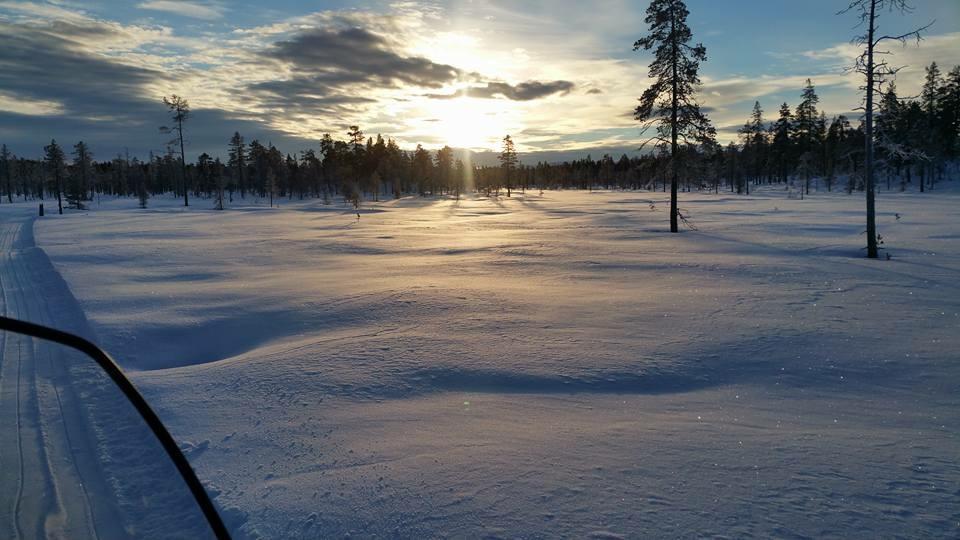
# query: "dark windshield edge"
{"type": "Point", "coordinates": [139, 403]}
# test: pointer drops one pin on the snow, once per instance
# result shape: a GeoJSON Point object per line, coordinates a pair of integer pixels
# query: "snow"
{"type": "Point", "coordinates": [76, 461]}
{"type": "Point", "coordinates": [545, 365]}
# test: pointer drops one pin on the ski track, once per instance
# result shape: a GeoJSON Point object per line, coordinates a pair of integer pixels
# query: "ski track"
{"type": "Point", "coordinates": [50, 499]}
{"type": "Point", "coordinates": [52, 485]}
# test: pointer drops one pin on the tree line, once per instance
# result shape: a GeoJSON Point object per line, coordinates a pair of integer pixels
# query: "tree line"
{"type": "Point", "coordinates": [916, 138]}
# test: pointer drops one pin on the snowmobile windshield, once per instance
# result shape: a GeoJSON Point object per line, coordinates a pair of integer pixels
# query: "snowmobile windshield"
{"type": "Point", "coordinates": [77, 458]}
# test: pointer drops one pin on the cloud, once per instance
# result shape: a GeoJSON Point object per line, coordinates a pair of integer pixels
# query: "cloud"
{"type": "Point", "coordinates": [911, 57]}
{"type": "Point", "coordinates": [357, 55]}
{"type": "Point", "coordinates": [41, 11]}
{"type": "Point", "coordinates": [525, 91]}
{"type": "Point", "coordinates": [41, 66]}
{"type": "Point", "coordinates": [29, 107]}
{"type": "Point", "coordinates": [183, 8]}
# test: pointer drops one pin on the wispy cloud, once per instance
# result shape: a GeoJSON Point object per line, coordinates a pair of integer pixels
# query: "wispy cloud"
{"type": "Point", "coordinates": [525, 91]}
{"type": "Point", "coordinates": [184, 8]}
{"type": "Point", "coordinates": [41, 10]}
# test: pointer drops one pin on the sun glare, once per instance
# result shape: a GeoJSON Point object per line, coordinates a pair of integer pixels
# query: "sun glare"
{"type": "Point", "coordinates": [468, 123]}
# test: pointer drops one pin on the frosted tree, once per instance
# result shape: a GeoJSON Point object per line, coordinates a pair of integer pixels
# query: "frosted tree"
{"type": "Point", "coordinates": [876, 71]}
{"type": "Point", "coordinates": [669, 103]}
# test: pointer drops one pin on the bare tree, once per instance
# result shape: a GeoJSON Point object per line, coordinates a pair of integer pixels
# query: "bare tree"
{"type": "Point", "coordinates": [876, 72]}
{"type": "Point", "coordinates": [180, 112]}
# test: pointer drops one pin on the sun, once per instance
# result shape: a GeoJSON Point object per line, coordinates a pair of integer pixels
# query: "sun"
{"type": "Point", "coordinates": [464, 122]}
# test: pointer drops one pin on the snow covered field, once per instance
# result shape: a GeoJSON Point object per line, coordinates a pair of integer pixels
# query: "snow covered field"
{"type": "Point", "coordinates": [543, 366]}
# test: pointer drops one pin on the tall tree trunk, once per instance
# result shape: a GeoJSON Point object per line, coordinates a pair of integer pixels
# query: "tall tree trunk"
{"type": "Point", "coordinates": [183, 164]}
{"type": "Point", "coordinates": [868, 132]}
{"type": "Point", "coordinates": [673, 124]}
{"type": "Point", "coordinates": [59, 199]}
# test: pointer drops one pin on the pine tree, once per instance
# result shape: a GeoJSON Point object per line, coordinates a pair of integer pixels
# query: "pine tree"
{"type": "Point", "coordinates": [54, 161]}
{"type": "Point", "coordinates": [930, 103]}
{"type": "Point", "coordinates": [950, 113]}
{"type": "Point", "coordinates": [835, 148]}
{"type": "Point", "coordinates": [422, 168]}
{"type": "Point", "coordinates": [460, 177]}
{"type": "Point", "coordinates": [508, 162]}
{"type": "Point", "coordinates": [889, 140]}
{"type": "Point", "coordinates": [782, 142]}
{"type": "Point", "coordinates": [444, 162]}
{"type": "Point", "coordinates": [82, 172]}
{"type": "Point", "coordinates": [754, 135]}
{"type": "Point", "coordinates": [806, 132]}
{"type": "Point", "coordinates": [259, 164]}
{"type": "Point", "coordinates": [6, 169]}
{"type": "Point", "coordinates": [143, 192]}
{"type": "Point", "coordinates": [669, 102]}
{"type": "Point", "coordinates": [237, 162]}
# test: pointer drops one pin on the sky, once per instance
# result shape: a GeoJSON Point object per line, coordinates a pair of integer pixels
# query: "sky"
{"type": "Point", "coordinates": [560, 76]}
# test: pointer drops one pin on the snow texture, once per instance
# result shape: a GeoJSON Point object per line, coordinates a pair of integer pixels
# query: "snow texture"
{"type": "Point", "coordinates": [550, 365]}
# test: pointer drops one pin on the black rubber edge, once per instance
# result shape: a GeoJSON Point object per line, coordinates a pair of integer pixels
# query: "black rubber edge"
{"type": "Point", "coordinates": [139, 403]}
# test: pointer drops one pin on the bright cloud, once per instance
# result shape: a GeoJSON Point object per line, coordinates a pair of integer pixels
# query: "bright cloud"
{"type": "Point", "coordinates": [195, 10]}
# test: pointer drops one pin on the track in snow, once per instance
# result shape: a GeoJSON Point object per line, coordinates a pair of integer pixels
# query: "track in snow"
{"type": "Point", "coordinates": [51, 479]}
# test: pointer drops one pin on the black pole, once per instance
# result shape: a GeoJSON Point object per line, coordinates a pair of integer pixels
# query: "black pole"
{"type": "Point", "coordinates": [139, 403]}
